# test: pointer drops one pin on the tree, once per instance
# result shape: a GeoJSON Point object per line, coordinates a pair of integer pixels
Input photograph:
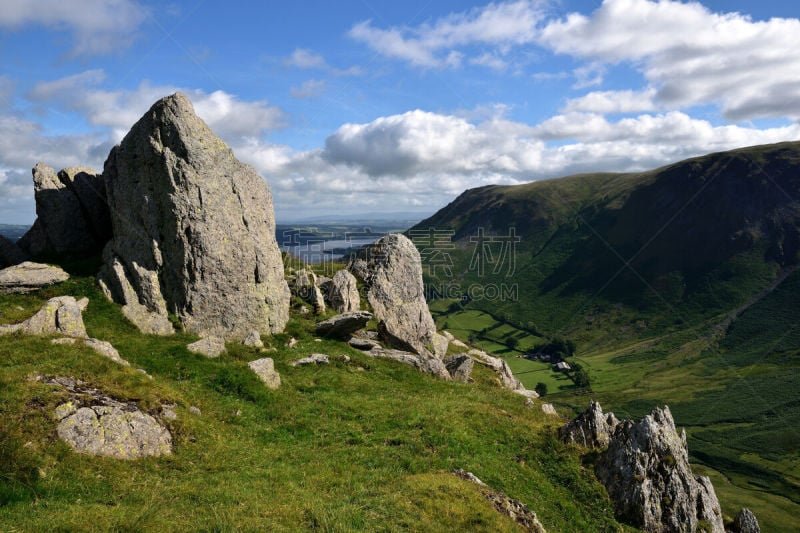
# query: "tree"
{"type": "Point", "coordinates": [541, 389]}
{"type": "Point", "coordinates": [512, 342]}
{"type": "Point", "coordinates": [580, 376]}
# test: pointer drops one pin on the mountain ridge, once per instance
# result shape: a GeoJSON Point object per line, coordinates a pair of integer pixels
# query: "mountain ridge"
{"type": "Point", "coordinates": [676, 284]}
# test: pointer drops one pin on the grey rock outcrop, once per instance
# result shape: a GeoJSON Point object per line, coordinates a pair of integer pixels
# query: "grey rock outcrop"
{"type": "Point", "coordinates": [106, 349]}
{"type": "Point", "coordinates": [647, 475]}
{"type": "Point", "coordinates": [313, 359]}
{"type": "Point", "coordinates": [194, 231]}
{"type": "Point", "coordinates": [341, 292]}
{"type": "Point", "coordinates": [93, 423]}
{"type": "Point", "coordinates": [504, 373]}
{"type": "Point", "coordinates": [392, 272]}
{"type": "Point", "coordinates": [265, 370]}
{"type": "Point", "coordinates": [514, 509]}
{"type": "Point", "coordinates": [459, 367]}
{"type": "Point", "coordinates": [28, 277]}
{"type": "Point", "coordinates": [591, 429]}
{"type": "Point", "coordinates": [363, 343]}
{"type": "Point", "coordinates": [10, 253]}
{"type": "Point", "coordinates": [344, 325]}
{"type": "Point", "coordinates": [210, 346]}
{"type": "Point", "coordinates": [745, 522]}
{"type": "Point", "coordinates": [549, 409]}
{"type": "Point", "coordinates": [306, 287]}
{"type": "Point", "coordinates": [429, 365]}
{"type": "Point", "coordinates": [440, 345]}
{"type": "Point", "coordinates": [72, 214]}
{"type": "Point", "coordinates": [59, 316]}
{"type": "Point", "coordinates": [112, 429]}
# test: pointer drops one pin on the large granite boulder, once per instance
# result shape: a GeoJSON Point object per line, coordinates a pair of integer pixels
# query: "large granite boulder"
{"type": "Point", "coordinates": [392, 271]}
{"type": "Point", "coordinates": [10, 253]}
{"type": "Point", "coordinates": [194, 231]}
{"type": "Point", "coordinates": [591, 429]}
{"type": "Point", "coordinates": [648, 478]}
{"type": "Point", "coordinates": [29, 277]}
{"type": "Point", "coordinates": [342, 292]}
{"type": "Point", "coordinates": [71, 209]}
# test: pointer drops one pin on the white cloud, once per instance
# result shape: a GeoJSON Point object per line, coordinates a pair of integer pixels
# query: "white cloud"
{"type": "Point", "coordinates": [425, 159]}
{"type": "Point", "coordinates": [97, 26]}
{"type": "Point", "coordinates": [589, 75]}
{"type": "Point", "coordinates": [308, 89]}
{"type": "Point", "coordinates": [23, 143]}
{"type": "Point", "coordinates": [435, 45]}
{"type": "Point", "coordinates": [302, 58]}
{"type": "Point", "coordinates": [691, 55]}
{"type": "Point", "coordinates": [120, 109]}
{"type": "Point", "coordinates": [612, 102]}
{"type": "Point", "coordinates": [418, 141]}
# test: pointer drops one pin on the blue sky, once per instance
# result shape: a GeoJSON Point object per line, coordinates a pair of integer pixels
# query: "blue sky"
{"type": "Point", "coordinates": [367, 106]}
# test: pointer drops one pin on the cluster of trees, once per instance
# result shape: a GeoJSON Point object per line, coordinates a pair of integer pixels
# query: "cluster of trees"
{"type": "Point", "coordinates": [557, 346]}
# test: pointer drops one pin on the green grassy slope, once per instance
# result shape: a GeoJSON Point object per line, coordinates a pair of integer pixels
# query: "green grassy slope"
{"type": "Point", "coordinates": [361, 446]}
{"type": "Point", "coordinates": [645, 272]}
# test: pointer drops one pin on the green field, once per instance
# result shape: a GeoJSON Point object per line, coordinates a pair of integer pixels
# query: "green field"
{"type": "Point", "coordinates": [738, 398]}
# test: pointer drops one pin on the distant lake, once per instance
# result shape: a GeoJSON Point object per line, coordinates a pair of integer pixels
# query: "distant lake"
{"type": "Point", "coordinates": [318, 251]}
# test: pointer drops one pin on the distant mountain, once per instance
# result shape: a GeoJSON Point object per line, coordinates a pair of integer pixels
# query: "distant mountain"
{"type": "Point", "coordinates": [688, 240]}
{"type": "Point", "coordinates": [677, 286]}
{"type": "Point", "coordinates": [13, 231]}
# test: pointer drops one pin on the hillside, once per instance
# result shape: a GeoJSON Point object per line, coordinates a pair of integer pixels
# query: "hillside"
{"type": "Point", "coordinates": [678, 285]}
{"type": "Point", "coordinates": [364, 445]}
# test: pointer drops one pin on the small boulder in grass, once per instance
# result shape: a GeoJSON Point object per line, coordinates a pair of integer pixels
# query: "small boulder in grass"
{"type": "Point", "coordinates": [265, 370]}
{"type": "Point", "coordinates": [208, 346]}
{"type": "Point", "coordinates": [313, 359]}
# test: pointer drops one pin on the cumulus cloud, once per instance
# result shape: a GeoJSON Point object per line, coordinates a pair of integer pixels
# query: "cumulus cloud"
{"type": "Point", "coordinates": [23, 143]}
{"type": "Point", "coordinates": [436, 45]}
{"type": "Point", "coordinates": [97, 26]}
{"type": "Point", "coordinates": [687, 54]}
{"type": "Point", "coordinates": [120, 109]}
{"type": "Point", "coordinates": [613, 102]}
{"type": "Point", "coordinates": [691, 55]}
{"type": "Point", "coordinates": [422, 159]}
{"type": "Point", "coordinates": [418, 141]}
